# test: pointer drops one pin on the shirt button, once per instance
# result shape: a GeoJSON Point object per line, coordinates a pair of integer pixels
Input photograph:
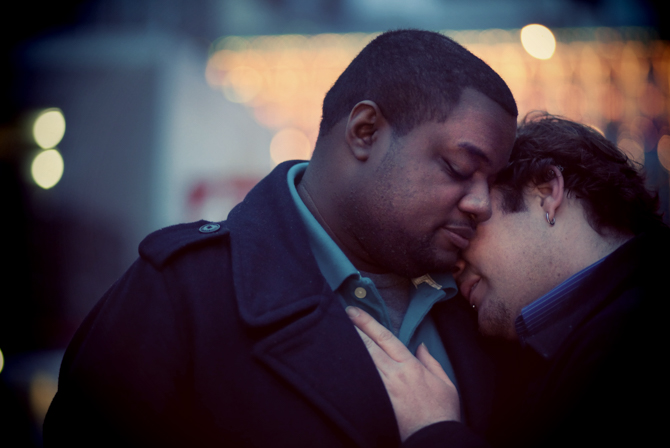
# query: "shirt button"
{"type": "Point", "coordinates": [360, 292]}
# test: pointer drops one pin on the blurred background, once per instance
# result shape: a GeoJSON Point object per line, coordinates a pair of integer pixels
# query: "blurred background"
{"type": "Point", "coordinates": [119, 117]}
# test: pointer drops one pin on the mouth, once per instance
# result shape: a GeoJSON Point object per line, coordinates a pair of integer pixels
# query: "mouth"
{"type": "Point", "coordinates": [467, 287]}
{"type": "Point", "coordinates": [460, 236]}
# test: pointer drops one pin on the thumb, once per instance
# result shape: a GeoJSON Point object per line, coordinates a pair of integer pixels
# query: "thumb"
{"type": "Point", "coordinates": [431, 363]}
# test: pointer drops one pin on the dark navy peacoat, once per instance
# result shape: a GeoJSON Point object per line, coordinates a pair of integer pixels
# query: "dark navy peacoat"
{"type": "Point", "coordinates": [228, 335]}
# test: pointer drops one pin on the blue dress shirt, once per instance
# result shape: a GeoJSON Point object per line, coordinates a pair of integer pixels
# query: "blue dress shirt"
{"type": "Point", "coordinates": [355, 290]}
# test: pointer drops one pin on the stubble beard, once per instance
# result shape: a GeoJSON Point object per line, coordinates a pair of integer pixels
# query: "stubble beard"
{"type": "Point", "coordinates": [389, 246]}
{"type": "Point", "coordinates": [380, 232]}
{"type": "Point", "coordinates": [498, 320]}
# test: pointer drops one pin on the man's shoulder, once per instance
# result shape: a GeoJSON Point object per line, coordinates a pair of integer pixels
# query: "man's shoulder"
{"type": "Point", "coordinates": [162, 246]}
{"type": "Point", "coordinates": [623, 311]}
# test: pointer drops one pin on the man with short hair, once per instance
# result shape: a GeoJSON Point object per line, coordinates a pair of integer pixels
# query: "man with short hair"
{"type": "Point", "coordinates": [572, 268]}
{"type": "Point", "coordinates": [234, 333]}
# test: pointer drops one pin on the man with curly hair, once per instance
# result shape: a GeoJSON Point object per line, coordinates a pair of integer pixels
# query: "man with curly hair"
{"type": "Point", "coordinates": [571, 270]}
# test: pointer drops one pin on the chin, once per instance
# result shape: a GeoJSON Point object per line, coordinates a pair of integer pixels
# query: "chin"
{"type": "Point", "coordinates": [493, 334]}
{"type": "Point", "coordinates": [496, 325]}
{"type": "Point", "coordinates": [444, 262]}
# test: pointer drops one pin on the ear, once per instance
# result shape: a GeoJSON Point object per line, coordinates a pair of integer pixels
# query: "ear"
{"type": "Point", "coordinates": [551, 193]}
{"type": "Point", "coordinates": [362, 129]}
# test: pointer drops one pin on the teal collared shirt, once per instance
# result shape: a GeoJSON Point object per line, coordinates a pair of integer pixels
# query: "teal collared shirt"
{"type": "Point", "coordinates": [353, 289]}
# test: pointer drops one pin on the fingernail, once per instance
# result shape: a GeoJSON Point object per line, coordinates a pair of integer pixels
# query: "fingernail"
{"type": "Point", "coordinates": [352, 311]}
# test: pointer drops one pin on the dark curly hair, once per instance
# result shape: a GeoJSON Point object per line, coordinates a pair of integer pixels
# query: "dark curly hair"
{"type": "Point", "coordinates": [414, 76]}
{"type": "Point", "coordinates": [609, 184]}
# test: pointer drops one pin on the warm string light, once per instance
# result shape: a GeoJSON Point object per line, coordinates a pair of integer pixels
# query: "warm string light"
{"type": "Point", "coordinates": [283, 80]}
{"type": "Point", "coordinates": [592, 76]}
{"type": "Point", "coordinates": [538, 41]}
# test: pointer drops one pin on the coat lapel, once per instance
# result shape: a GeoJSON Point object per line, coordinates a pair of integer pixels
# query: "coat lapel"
{"type": "Point", "coordinates": [323, 357]}
{"type": "Point", "coordinates": [304, 335]}
{"type": "Point", "coordinates": [474, 367]}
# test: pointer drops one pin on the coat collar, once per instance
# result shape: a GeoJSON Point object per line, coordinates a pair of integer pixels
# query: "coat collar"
{"type": "Point", "coordinates": [275, 273]}
{"type": "Point", "coordinates": [302, 331]}
{"type": "Point", "coordinates": [471, 357]}
{"type": "Point", "coordinates": [625, 266]}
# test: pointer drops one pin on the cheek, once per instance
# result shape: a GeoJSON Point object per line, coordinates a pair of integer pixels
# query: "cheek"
{"type": "Point", "coordinates": [487, 253]}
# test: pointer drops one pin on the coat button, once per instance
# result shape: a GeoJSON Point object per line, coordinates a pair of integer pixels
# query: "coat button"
{"type": "Point", "coordinates": [360, 292]}
{"type": "Point", "coordinates": [209, 228]}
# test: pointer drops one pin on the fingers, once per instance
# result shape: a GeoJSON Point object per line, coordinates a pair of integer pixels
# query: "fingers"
{"type": "Point", "coordinates": [382, 361]}
{"type": "Point", "coordinates": [432, 364]}
{"type": "Point", "coordinates": [381, 336]}
{"type": "Point", "coordinates": [419, 390]}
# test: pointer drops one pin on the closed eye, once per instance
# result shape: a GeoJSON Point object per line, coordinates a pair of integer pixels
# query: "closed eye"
{"type": "Point", "coordinates": [456, 173]}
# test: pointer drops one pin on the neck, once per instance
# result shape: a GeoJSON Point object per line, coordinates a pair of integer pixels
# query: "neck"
{"type": "Point", "coordinates": [306, 197]}
{"type": "Point", "coordinates": [323, 207]}
{"type": "Point", "coordinates": [579, 245]}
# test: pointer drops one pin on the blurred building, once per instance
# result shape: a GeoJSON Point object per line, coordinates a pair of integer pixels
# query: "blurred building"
{"type": "Point", "coordinates": [174, 109]}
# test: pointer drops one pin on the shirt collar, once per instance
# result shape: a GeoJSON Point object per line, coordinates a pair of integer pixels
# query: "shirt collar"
{"type": "Point", "coordinates": [334, 265]}
{"type": "Point", "coordinates": [535, 316]}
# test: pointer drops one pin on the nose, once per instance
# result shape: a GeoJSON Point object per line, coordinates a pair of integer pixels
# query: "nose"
{"type": "Point", "coordinates": [477, 201]}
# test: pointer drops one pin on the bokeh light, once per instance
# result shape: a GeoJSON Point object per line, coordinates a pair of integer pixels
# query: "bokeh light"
{"type": "Point", "coordinates": [43, 388]}
{"type": "Point", "coordinates": [664, 151]}
{"type": "Point", "coordinates": [47, 168]}
{"type": "Point", "coordinates": [612, 79]}
{"type": "Point", "coordinates": [49, 128]}
{"type": "Point", "coordinates": [2, 361]}
{"type": "Point", "coordinates": [290, 144]}
{"type": "Point", "coordinates": [633, 149]}
{"type": "Point", "coordinates": [538, 41]}
{"type": "Point", "coordinates": [242, 84]}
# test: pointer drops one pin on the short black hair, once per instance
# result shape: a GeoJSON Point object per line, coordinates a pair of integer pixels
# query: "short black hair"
{"type": "Point", "coordinates": [413, 76]}
{"type": "Point", "coordinates": [610, 185]}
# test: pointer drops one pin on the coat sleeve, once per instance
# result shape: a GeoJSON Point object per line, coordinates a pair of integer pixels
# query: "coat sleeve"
{"type": "Point", "coordinates": [126, 379]}
{"type": "Point", "coordinates": [445, 435]}
{"type": "Point", "coordinates": [106, 392]}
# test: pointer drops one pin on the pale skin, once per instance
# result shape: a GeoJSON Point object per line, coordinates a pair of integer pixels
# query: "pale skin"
{"type": "Point", "coordinates": [420, 392]}
{"type": "Point", "coordinates": [514, 259]}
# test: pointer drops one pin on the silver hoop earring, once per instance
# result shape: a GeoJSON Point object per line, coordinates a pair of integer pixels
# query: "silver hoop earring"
{"type": "Point", "coordinates": [553, 220]}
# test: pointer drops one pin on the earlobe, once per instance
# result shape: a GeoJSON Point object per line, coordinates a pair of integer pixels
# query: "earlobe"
{"type": "Point", "coordinates": [551, 193]}
{"type": "Point", "coordinates": [362, 128]}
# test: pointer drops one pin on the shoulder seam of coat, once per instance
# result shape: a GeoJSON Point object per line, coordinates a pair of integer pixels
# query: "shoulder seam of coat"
{"type": "Point", "coordinates": [162, 245]}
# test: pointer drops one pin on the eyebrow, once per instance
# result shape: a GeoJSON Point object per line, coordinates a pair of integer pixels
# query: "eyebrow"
{"type": "Point", "coordinates": [475, 151]}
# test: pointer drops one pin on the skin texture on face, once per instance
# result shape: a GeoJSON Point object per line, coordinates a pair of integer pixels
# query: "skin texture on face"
{"type": "Point", "coordinates": [504, 268]}
{"type": "Point", "coordinates": [416, 199]}
{"type": "Point", "coordinates": [516, 258]}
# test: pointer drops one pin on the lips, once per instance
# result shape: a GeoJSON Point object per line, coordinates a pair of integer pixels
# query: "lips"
{"type": "Point", "coordinates": [460, 236]}
{"type": "Point", "coordinates": [468, 286]}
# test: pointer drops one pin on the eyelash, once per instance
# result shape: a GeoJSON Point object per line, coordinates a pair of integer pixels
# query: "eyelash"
{"type": "Point", "coordinates": [455, 173]}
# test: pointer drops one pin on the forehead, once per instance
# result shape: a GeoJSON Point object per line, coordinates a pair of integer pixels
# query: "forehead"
{"type": "Point", "coordinates": [480, 128]}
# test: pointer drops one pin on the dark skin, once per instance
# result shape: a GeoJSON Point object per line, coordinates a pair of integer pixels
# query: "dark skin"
{"type": "Point", "coordinates": [407, 204]}
{"type": "Point", "coordinates": [324, 190]}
